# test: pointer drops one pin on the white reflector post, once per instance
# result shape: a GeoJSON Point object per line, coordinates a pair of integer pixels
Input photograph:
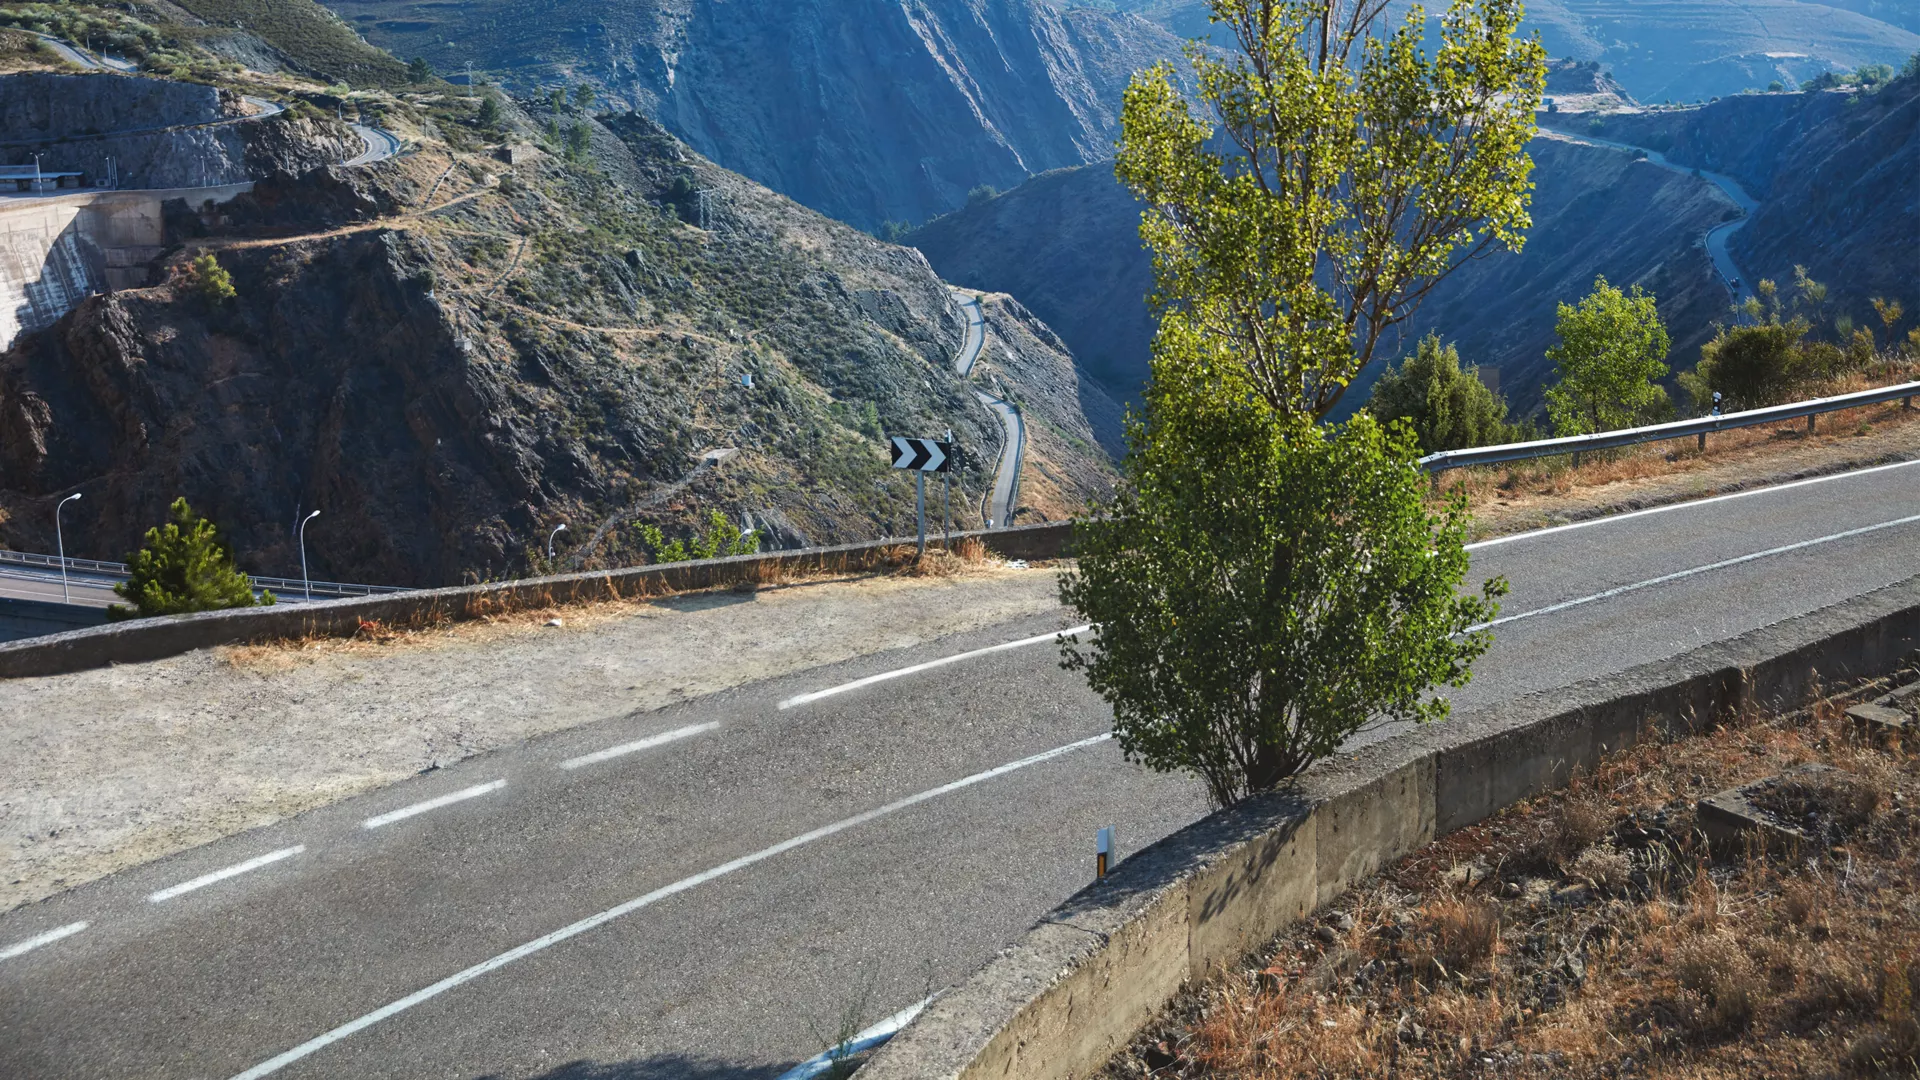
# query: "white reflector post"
{"type": "Point", "coordinates": [1102, 850]}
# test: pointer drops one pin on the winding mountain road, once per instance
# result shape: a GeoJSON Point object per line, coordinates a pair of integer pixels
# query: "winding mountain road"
{"type": "Point", "coordinates": [704, 891]}
{"type": "Point", "coordinates": [1737, 283]}
{"type": "Point", "coordinates": [1004, 496]}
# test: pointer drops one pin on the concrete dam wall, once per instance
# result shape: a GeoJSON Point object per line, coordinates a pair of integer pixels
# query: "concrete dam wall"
{"type": "Point", "coordinates": [57, 250]}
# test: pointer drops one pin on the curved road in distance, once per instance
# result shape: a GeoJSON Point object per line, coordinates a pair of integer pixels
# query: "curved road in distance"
{"type": "Point", "coordinates": [381, 144]}
{"type": "Point", "coordinates": [1739, 284]}
{"type": "Point", "coordinates": [700, 890]}
{"type": "Point", "coordinates": [1006, 482]}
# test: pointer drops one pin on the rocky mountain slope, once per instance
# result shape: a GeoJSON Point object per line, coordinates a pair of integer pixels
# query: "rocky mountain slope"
{"type": "Point", "coordinates": [448, 356]}
{"type": "Point", "coordinates": [865, 110]}
{"type": "Point", "coordinates": [1067, 245]}
{"type": "Point", "coordinates": [1834, 173]}
{"type": "Point", "coordinates": [1683, 50]}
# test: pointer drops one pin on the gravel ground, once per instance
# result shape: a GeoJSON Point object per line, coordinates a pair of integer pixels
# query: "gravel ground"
{"type": "Point", "coordinates": [106, 769]}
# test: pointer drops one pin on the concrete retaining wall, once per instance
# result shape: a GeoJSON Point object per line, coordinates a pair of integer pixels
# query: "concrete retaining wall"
{"type": "Point", "coordinates": [1073, 991]}
{"type": "Point", "coordinates": [152, 639]}
{"type": "Point", "coordinates": [36, 618]}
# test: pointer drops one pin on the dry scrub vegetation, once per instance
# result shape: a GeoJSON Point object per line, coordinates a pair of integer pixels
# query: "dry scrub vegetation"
{"type": "Point", "coordinates": [1591, 933]}
{"type": "Point", "coordinates": [1529, 494]}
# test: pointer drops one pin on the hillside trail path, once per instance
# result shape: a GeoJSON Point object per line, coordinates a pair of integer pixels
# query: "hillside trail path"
{"type": "Point", "coordinates": [1003, 497]}
{"type": "Point", "coordinates": [1738, 283]}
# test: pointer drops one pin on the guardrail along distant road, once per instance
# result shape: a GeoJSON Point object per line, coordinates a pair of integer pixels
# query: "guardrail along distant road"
{"type": "Point", "coordinates": [703, 890]}
{"type": "Point", "coordinates": [29, 576]}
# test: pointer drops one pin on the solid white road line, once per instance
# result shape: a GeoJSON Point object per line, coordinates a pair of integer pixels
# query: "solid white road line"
{"type": "Point", "coordinates": [802, 699]}
{"type": "Point", "coordinates": [392, 816]}
{"type": "Point", "coordinates": [47, 938]}
{"type": "Point", "coordinates": [654, 897]}
{"type": "Point", "coordinates": [221, 875]}
{"type": "Point", "coordinates": [647, 743]}
{"type": "Point", "coordinates": [1688, 505]}
{"type": "Point", "coordinates": [1677, 575]}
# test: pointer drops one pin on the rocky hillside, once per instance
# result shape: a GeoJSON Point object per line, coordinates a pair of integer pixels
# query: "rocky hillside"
{"type": "Point", "coordinates": [1067, 245]}
{"type": "Point", "coordinates": [158, 133]}
{"type": "Point", "coordinates": [865, 110]}
{"type": "Point", "coordinates": [1683, 50]}
{"type": "Point", "coordinates": [1834, 173]}
{"type": "Point", "coordinates": [449, 356]}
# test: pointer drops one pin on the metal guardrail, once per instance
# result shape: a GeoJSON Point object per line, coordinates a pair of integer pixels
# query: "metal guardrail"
{"type": "Point", "coordinates": [286, 586]}
{"type": "Point", "coordinates": [1678, 429]}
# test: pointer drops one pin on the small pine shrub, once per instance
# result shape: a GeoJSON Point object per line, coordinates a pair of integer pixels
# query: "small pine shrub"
{"type": "Point", "coordinates": [183, 567]}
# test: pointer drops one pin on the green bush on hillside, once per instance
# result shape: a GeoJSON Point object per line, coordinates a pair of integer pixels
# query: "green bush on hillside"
{"type": "Point", "coordinates": [1612, 348]}
{"type": "Point", "coordinates": [183, 567]}
{"type": "Point", "coordinates": [1447, 406]}
{"type": "Point", "coordinates": [721, 539]}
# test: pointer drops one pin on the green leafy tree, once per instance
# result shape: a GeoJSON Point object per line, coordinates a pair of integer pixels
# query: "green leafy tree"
{"type": "Point", "coordinates": [1262, 588]}
{"type": "Point", "coordinates": [419, 70]}
{"type": "Point", "coordinates": [1447, 406]}
{"type": "Point", "coordinates": [1612, 346]}
{"type": "Point", "coordinates": [1750, 366]}
{"type": "Point", "coordinates": [583, 97]}
{"type": "Point", "coordinates": [489, 114]}
{"type": "Point", "coordinates": [1340, 176]}
{"type": "Point", "coordinates": [721, 539]}
{"type": "Point", "coordinates": [557, 97]}
{"type": "Point", "coordinates": [981, 194]}
{"type": "Point", "coordinates": [208, 280]}
{"type": "Point", "coordinates": [183, 567]}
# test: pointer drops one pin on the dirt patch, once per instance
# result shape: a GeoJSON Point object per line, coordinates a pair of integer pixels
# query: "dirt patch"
{"type": "Point", "coordinates": [1590, 933]}
{"type": "Point", "coordinates": [105, 769]}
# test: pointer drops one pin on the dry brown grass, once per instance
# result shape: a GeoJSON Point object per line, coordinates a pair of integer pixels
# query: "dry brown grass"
{"type": "Point", "coordinates": [1600, 939]}
{"type": "Point", "coordinates": [1525, 494]}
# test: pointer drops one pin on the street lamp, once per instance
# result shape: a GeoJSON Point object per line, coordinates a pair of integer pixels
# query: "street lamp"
{"type": "Point", "coordinates": [59, 538]}
{"type": "Point", "coordinates": [305, 579]}
{"type": "Point", "coordinates": [562, 527]}
{"type": "Point", "coordinates": [36, 173]}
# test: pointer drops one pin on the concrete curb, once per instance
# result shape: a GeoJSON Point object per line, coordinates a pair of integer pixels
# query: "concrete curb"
{"type": "Point", "coordinates": [1077, 987]}
{"type": "Point", "coordinates": [153, 639]}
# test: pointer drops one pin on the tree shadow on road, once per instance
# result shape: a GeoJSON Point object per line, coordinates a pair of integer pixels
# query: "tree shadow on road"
{"type": "Point", "coordinates": [659, 1067]}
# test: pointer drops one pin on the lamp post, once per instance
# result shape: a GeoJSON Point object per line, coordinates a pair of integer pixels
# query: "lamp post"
{"type": "Point", "coordinates": [60, 539]}
{"type": "Point", "coordinates": [304, 578]}
{"type": "Point", "coordinates": [558, 529]}
{"type": "Point", "coordinates": [36, 173]}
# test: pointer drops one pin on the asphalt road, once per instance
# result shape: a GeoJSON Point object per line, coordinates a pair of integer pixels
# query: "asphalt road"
{"type": "Point", "coordinates": [1737, 283]}
{"type": "Point", "coordinates": [713, 904]}
{"type": "Point", "coordinates": [89, 590]}
{"type": "Point", "coordinates": [1000, 500]}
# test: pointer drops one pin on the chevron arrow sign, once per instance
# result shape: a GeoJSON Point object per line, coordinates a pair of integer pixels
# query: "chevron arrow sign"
{"type": "Point", "coordinates": [926, 455]}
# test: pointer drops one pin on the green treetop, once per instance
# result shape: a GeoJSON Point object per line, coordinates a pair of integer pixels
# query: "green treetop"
{"type": "Point", "coordinates": [1338, 176]}
{"type": "Point", "coordinates": [183, 567]}
{"type": "Point", "coordinates": [1612, 346]}
{"type": "Point", "coordinates": [1448, 406]}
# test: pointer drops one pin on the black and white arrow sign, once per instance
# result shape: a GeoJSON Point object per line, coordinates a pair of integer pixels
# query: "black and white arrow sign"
{"type": "Point", "coordinates": [926, 455]}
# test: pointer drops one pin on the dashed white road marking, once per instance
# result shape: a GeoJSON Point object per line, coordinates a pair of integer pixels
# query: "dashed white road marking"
{"type": "Point", "coordinates": [47, 938]}
{"type": "Point", "coordinates": [802, 699]}
{"type": "Point", "coordinates": [1678, 574]}
{"type": "Point", "coordinates": [1669, 508]}
{"type": "Point", "coordinates": [590, 922]}
{"type": "Point", "coordinates": [647, 743]}
{"type": "Point", "coordinates": [235, 870]}
{"type": "Point", "coordinates": [392, 816]}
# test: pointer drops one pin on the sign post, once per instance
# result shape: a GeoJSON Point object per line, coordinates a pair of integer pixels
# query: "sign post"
{"type": "Point", "coordinates": [922, 456]}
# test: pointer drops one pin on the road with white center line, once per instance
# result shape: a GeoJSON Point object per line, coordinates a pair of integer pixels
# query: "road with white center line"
{"type": "Point", "coordinates": [707, 890]}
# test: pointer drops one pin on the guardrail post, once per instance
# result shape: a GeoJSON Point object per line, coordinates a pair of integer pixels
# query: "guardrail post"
{"type": "Point", "coordinates": [1909, 400]}
{"type": "Point", "coordinates": [1810, 419]}
{"type": "Point", "coordinates": [1703, 442]}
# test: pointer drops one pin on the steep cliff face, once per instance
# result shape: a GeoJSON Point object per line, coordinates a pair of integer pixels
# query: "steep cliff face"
{"type": "Point", "coordinates": [156, 133]}
{"type": "Point", "coordinates": [865, 110]}
{"type": "Point", "coordinates": [1834, 173]}
{"type": "Point", "coordinates": [1067, 245]}
{"type": "Point", "coordinates": [569, 344]}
